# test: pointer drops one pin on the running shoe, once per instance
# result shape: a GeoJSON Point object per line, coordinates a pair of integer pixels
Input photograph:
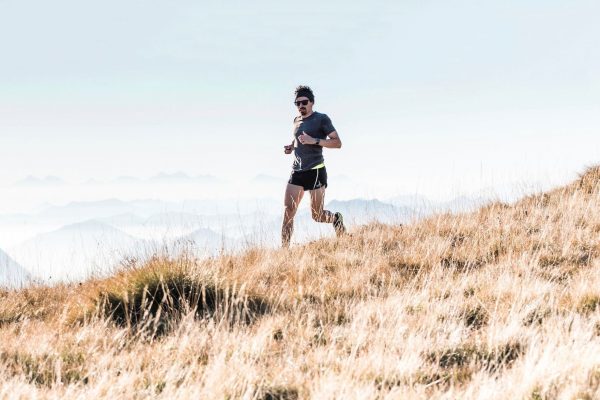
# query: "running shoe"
{"type": "Point", "coordinates": [338, 224]}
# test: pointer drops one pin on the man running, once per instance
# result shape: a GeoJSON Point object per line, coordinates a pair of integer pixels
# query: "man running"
{"type": "Point", "coordinates": [312, 132]}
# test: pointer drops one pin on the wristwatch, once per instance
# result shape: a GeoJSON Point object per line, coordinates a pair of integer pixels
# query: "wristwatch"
{"type": "Point", "coordinates": [318, 140]}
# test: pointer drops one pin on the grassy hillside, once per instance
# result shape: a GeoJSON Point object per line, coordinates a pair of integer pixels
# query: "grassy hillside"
{"type": "Point", "coordinates": [500, 303]}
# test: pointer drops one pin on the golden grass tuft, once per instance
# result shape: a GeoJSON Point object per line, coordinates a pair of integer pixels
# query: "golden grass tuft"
{"type": "Point", "coordinates": [159, 294]}
{"type": "Point", "coordinates": [589, 181]}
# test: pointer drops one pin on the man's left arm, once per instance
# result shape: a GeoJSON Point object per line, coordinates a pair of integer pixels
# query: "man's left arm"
{"type": "Point", "coordinates": [333, 141]}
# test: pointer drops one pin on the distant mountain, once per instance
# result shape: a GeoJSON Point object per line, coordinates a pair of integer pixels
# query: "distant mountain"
{"type": "Point", "coordinates": [92, 182]}
{"type": "Point", "coordinates": [175, 219]}
{"type": "Point", "coordinates": [117, 212]}
{"type": "Point", "coordinates": [341, 179]}
{"type": "Point", "coordinates": [33, 181]}
{"type": "Point", "coordinates": [423, 206]}
{"type": "Point", "coordinates": [360, 211]}
{"type": "Point", "coordinates": [126, 219]}
{"type": "Point", "coordinates": [462, 204]}
{"type": "Point", "coordinates": [160, 227]}
{"type": "Point", "coordinates": [12, 275]}
{"type": "Point", "coordinates": [125, 180]}
{"type": "Point", "coordinates": [410, 201]}
{"type": "Point", "coordinates": [268, 179]}
{"type": "Point", "coordinates": [163, 178]}
{"type": "Point", "coordinates": [181, 177]}
{"type": "Point", "coordinates": [207, 179]}
{"type": "Point", "coordinates": [80, 211]}
{"type": "Point", "coordinates": [204, 240]}
{"type": "Point", "coordinates": [77, 251]}
{"type": "Point", "coordinates": [13, 219]}
{"type": "Point", "coordinates": [149, 207]}
{"type": "Point", "coordinates": [234, 207]}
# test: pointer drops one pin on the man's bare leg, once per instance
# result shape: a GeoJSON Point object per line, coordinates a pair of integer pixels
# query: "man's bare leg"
{"type": "Point", "coordinates": [317, 203]}
{"type": "Point", "coordinates": [293, 196]}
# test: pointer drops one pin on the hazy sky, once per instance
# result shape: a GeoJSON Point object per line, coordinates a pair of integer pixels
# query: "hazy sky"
{"type": "Point", "coordinates": [431, 96]}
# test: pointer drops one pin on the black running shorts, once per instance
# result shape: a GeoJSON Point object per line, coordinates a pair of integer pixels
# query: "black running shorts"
{"type": "Point", "coordinates": [309, 180]}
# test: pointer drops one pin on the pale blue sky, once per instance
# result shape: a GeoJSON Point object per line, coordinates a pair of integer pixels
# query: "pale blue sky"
{"type": "Point", "coordinates": [428, 96]}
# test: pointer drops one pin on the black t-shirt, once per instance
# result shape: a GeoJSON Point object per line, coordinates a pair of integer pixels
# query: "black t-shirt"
{"type": "Point", "coordinates": [307, 156]}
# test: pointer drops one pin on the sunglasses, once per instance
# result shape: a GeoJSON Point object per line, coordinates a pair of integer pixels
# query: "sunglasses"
{"type": "Point", "coordinates": [303, 102]}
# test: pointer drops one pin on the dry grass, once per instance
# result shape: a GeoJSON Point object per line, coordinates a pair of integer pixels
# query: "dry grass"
{"type": "Point", "coordinates": [501, 303]}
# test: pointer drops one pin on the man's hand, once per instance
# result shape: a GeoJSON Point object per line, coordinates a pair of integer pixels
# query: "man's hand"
{"type": "Point", "coordinates": [288, 149]}
{"type": "Point", "coordinates": [306, 139]}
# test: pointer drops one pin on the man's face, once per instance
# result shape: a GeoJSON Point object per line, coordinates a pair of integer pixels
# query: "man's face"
{"type": "Point", "coordinates": [304, 105]}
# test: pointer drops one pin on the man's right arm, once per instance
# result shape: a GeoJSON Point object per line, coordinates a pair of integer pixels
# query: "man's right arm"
{"type": "Point", "coordinates": [289, 148]}
{"type": "Point", "coordinates": [291, 145]}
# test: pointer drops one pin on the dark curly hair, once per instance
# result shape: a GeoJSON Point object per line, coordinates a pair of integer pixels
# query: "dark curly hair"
{"type": "Point", "coordinates": [304, 91]}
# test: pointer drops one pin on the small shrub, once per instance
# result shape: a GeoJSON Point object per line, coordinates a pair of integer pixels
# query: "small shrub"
{"type": "Point", "coordinates": [502, 356]}
{"type": "Point", "coordinates": [452, 358]}
{"type": "Point", "coordinates": [403, 268]}
{"type": "Point", "coordinates": [457, 240]}
{"type": "Point", "coordinates": [451, 377]}
{"type": "Point", "coordinates": [490, 360]}
{"type": "Point", "coordinates": [581, 258]}
{"type": "Point", "coordinates": [388, 383]}
{"type": "Point", "coordinates": [46, 369]}
{"type": "Point", "coordinates": [475, 317]}
{"type": "Point", "coordinates": [279, 393]}
{"type": "Point", "coordinates": [536, 316]}
{"type": "Point", "coordinates": [319, 338]}
{"type": "Point", "coordinates": [333, 314]}
{"type": "Point", "coordinates": [536, 395]}
{"type": "Point", "coordinates": [460, 265]}
{"type": "Point", "coordinates": [589, 181]}
{"type": "Point", "coordinates": [414, 309]}
{"type": "Point", "coordinates": [427, 378]}
{"type": "Point", "coordinates": [278, 335]}
{"type": "Point", "coordinates": [588, 304]}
